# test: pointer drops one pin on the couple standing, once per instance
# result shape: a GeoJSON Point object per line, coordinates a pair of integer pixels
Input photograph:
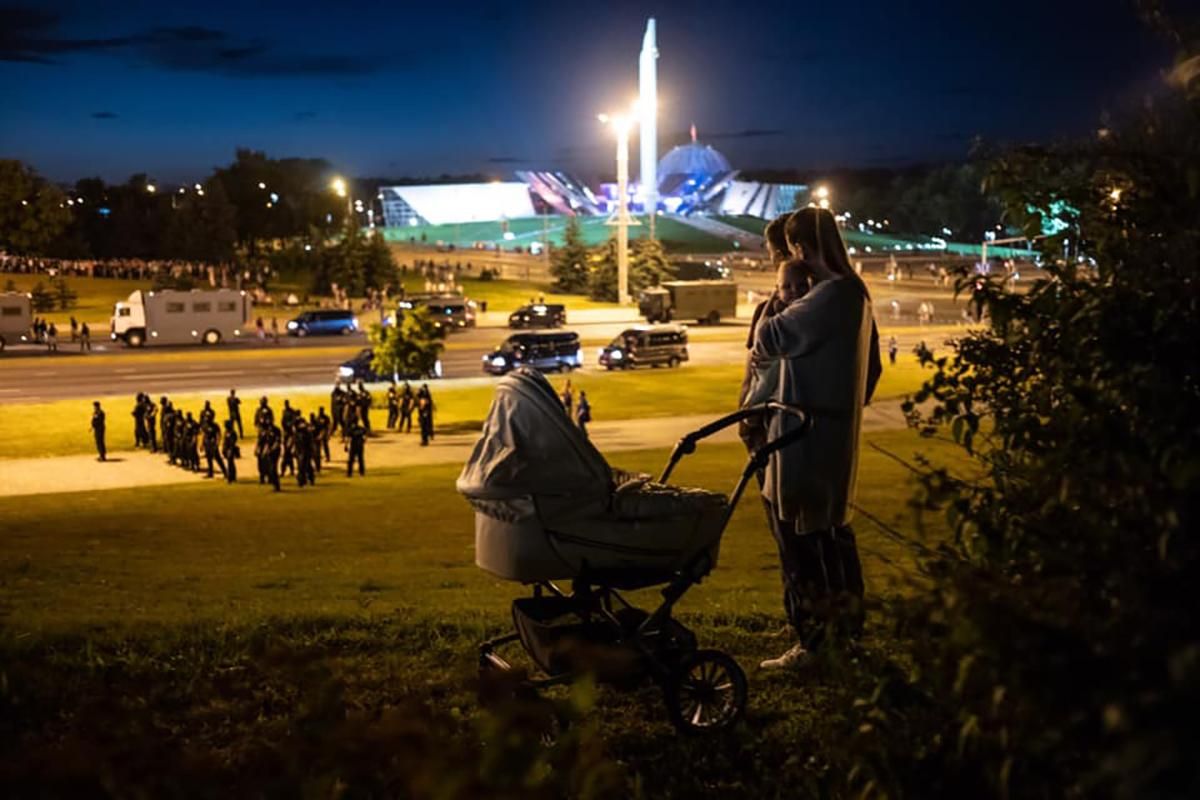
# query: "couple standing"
{"type": "Point", "coordinates": [813, 344]}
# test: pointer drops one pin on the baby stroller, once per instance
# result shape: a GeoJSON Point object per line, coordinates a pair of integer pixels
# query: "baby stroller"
{"type": "Point", "coordinates": [549, 508]}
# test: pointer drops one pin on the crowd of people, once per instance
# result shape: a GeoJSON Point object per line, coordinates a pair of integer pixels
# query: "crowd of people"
{"type": "Point", "coordinates": [295, 444]}
{"type": "Point", "coordinates": [125, 268]}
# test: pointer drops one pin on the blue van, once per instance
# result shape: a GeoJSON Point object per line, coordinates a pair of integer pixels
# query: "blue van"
{"type": "Point", "coordinates": [323, 323]}
{"type": "Point", "coordinates": [359, 369]}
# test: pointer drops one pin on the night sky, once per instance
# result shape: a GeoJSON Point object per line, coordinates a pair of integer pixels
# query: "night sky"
{"type": "Point", "coordinates": [421, 88]}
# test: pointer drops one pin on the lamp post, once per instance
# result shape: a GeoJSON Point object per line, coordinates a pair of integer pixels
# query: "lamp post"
{"type": "Point", "coordinates": [621, 124]}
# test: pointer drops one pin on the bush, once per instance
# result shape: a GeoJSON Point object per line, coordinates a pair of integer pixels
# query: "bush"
{"type": "Point", "coordinates": [1054, 652]}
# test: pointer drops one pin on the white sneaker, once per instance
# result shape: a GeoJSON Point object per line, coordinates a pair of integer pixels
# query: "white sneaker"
{"type": "Point", "coordinates": [794, 657]}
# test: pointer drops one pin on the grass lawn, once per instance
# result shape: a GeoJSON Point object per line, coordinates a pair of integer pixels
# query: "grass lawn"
{"type": "Point", "coordinates": [95, 303]}
{"type": "Point", "coordinates": [29, 430]}
{"type": "Point", "coordinates": [674, 235]}
{"type": "Point", "coordinates": [163, 638]}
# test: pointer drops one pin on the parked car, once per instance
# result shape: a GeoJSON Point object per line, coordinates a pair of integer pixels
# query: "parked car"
{"type": "Point", "coordinates": [646, 345]}
{"type": "Point", "coordinates": [323, 323]}
{"type": "Point", "coordinates": [359, 369]}
{"type": "Point", "coordinates": [538, 315]}
{"type": "Point", "coordinates": [548, 352]}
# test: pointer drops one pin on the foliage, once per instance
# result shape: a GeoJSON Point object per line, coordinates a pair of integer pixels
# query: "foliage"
{"type": "Point", "coordinates": [357, 262]}
{"type": "Point", "coordinates": [1055, 652]}
{"type": "Point", "coordinates": [41, 298]}
{"type": "Point", "coordinates": [165, 279]}
{"type": "Point", "coordinates": [569, 263]}
{"type": "Point", "coordinates": [302, 197]}
{"type": "Point", "coordinates": [32, 212]}
{"type": "Point", "coordinates": [648, 266]}
{"type": "Point", "coordinates": [928, 199]}
{"type": "Point", "coordinates": [202, 227]}
{"type": "Point", "coordinates": [410, 347]}
{"type": "Point", "coordinates": [64, 296]}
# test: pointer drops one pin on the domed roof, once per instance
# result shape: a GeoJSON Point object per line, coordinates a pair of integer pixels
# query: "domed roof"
{"type": "Point", "coordinates": [693, 159]}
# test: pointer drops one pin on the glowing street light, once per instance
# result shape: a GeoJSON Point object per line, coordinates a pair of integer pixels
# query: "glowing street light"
{"type": "Point", "coordinates": [821, 193]}
{"type": "Point", "coordinates": [151, 188]}
{"type": "Point", "coordinates": [621, 125]}
{"type": "Point", "coordinates": [338, 185]}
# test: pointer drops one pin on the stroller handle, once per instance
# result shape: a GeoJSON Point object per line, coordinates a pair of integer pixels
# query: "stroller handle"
{"type": "Point", "coordinates": [687, 445]}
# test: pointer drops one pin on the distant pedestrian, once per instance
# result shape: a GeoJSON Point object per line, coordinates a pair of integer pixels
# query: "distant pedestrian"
{"type": "Point", "coordinates": [408, 403]}
{"type": "Point", "coordinates": [583, 414]}
{"type": "Point", "coordinates": [323, 429]}
{"type": "Point", "coordinates": [275, 329]}
{"type": "Point", "coordinates": [52, 338]}
{"type": "Point", "coordinates": [74, 328]}
{"type": "Point", "coordinates": [235, 411]}
{"type": "Point", "coordinates": [231, 451]}
{"type": "Point", "coordinates": [259, 330]}
{"type": "Point", "coordinates": [98, 430]}
{"type": "Point", "coordinates": [393, 406]}
{"type": "Point", "coordinates": [356, 447]}
{"type": "Point", "coordinates": [893, 349]}
{"type": "Point", "coordinates": [568, 398]}
{"type": "Point", "coordinates": [85, 338]}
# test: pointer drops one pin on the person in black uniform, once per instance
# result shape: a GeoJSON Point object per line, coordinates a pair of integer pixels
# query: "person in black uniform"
{"type": "Point", "coordinates": [149, 419]}
{"type": "Point", "coordinates": [267, 450]}
{"type": "Point", "coordinates": [212, 446]}
{"type": "Point", "coordinates": [323, 431]}
{"type": "Point", "coordinates": [336, 398]}
{"type": "Point", "coordinates": [235, 411]}
{"type": "Point", "coordinates": [303, 444]}
{"type": "Point", "coordinates": [231, 451]}
{"type": "Point", "coordinates": [191, 442]}
{"type": "Point", "coordinates": [364, 406]}
{"type": "Point", "coordinates": [315, 441]}
{"type": "Point", "coordinates": [407, 404]}
{"type": "Point", "coordinates": [287, 420]}
{"type": "Point", "coordinates": [139, 427]}
{"type": "Point", "coordinates": [208, 413]}
{"type": "Point", "coordinates": [263, 417]}
{"type": "Point", "coordinates": [98, 430]}
{"type": "Point", "coordinates": [357, 444]}
{"type": "Point", "coordinates": [425, 418]}
{"type": "Point", "coordinates": [393, 406]}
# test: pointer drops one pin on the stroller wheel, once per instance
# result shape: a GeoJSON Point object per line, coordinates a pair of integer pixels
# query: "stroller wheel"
{"type": "Point", "coordinates": [706, 694]}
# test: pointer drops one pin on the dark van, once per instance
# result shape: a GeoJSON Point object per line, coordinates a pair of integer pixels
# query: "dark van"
{"type": "Point", "coordinates": [538, 315]}
{"type": "Point", "coordinates": [644, 345]}
{"type": "Point", "coordinates": [319, 323]}
{"type": "Point", "coordinates": [548, 352]}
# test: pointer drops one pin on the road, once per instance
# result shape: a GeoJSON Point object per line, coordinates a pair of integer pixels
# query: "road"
{"type": "Point", "coordinates": [292, 363]}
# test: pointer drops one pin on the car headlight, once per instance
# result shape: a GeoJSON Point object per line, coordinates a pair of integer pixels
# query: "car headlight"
{"type": "Point", "coordinates": [346, 372]}
{"type": "Point", "coordinates": [498, 361]}
{"type": "Point", "coordinates": [616, 355]}
{"type": "Point", "coordinates": [292, 325]}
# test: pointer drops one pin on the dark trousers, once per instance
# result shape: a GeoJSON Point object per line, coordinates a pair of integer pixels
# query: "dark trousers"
{"type": "Point", "coordinates": [211, 457]}
{"type": "Point", "coordinates": [231, 470]}
{"type": "Point", "coordinates": [393, 415]}
{"type": "Point", "coordinates": [153, 439]}
{"type": "Point", "coordinates": [101, 450]}
{"type": "Point", "coordinates": [305, 474]}
{"type": "Point", "coordinates": [406, 421]}
{"type": "Point", "coordinates": [356, 453]}
{"type": "Point", "coordinates": [822, 581]}
{"type": "Point", "coordinates": [325, 447]}
{"type": "Point", "coordinates": [237, 423]}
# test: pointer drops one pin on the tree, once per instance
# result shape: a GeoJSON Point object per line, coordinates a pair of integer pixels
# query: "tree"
{"type": "Point", "coordinates": [33, 213]}
{"type": "Point", "coordinates": [569, 263]}
{"type": "Point", "coordinates": [355, 263]}
{"type": "Point", "coordinates": [1055, 651]}
{"type": "Point", "coordinates": [64, 295]}
{"type": "Point", "coordinates": [648, 266]}
{"type": "Point", "coordinates": [41, 298]}
{"type": "Point", "coordinates": [410, 347]}
{"type": "Point", "coordinates": [202, 226]}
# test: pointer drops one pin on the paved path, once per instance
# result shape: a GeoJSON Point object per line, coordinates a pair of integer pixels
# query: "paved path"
{"type": "Point", "coordinates": [29, 476]}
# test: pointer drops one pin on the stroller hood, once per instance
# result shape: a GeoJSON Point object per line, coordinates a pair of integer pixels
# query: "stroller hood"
{"type": "Point", "coordinates": [529, 447]}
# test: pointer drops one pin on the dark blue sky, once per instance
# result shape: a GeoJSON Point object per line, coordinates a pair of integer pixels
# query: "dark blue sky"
{"type": "Point", "coordinates": [400, 88]}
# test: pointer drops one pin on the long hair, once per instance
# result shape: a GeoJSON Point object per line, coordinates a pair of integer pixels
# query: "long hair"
{"type": "Point", "coordinates": [775, 234]}
{"type": "Point", "coordinates": [816, 232]}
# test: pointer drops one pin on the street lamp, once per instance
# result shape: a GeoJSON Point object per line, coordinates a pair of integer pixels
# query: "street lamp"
{"type": "Point", "coordinates": [621, 125]}
{"type": "Point", "coordinates": [822, 195]}
{"type": "Point", "coordinates": [339, 188]}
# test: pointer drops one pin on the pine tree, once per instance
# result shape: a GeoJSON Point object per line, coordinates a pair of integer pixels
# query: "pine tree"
{"type": "Point", "coordinates": [569, 263]}
{"type": "Point", "coordinates": [648, 266]}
